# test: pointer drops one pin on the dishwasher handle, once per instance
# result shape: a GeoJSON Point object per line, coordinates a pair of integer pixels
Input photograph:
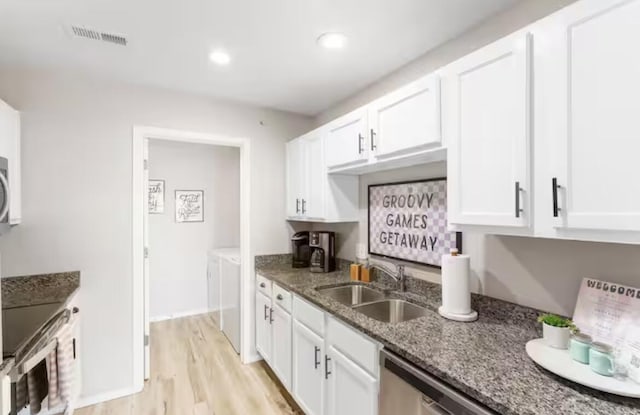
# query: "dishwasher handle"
{"type": "Point", "coordinates": [447, 400]}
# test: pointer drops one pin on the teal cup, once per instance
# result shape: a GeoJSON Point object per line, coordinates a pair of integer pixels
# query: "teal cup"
{"type": "Point", "coordinates": [601, 359]}
{"type": "Point", "coordinates": [579, 347]}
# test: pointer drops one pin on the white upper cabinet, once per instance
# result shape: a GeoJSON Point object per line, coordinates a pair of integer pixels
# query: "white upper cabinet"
{"type": "Point", "coordinates": [486, 109]}
{"type": "Point", "coordinates": [406, 120]}
{"type": "Point", "coordinates": [588, 84]}
{"type": "Point", "coordinates": [346, 140]}
{"type": "Point", "coordinates": [401, 129]}
{"type": "Point", "coordinates": [295, 180]}
{"type": "Point", "coordinates": [315, 176]}
{"type": "Point", "coordinates": [10, 149]}
{"type": "Point", "coordinates": [313, 195]}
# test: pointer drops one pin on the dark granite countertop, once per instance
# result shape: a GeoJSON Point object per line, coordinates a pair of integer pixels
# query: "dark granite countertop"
{"type": "Point", "coordinates": [32, 290]}
{"type": "Point", "coordinates": [485, 359]}
{"type": "Point", "coordinates": [39, 289]}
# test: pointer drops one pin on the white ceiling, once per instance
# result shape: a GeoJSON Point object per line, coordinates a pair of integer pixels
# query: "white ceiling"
{"type": "Point", "coordinates": [275, 60]}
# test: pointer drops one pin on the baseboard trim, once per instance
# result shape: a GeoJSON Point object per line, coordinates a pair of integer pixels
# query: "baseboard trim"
{"type": "Point", "coordinates": [104, 397]}
{"type": "Point", "coordinates": [253, 357]}
{"type": "Point", "coordinates": [180, 315]}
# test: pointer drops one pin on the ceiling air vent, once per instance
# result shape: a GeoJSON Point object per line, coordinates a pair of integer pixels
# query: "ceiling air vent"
{"type": "Point", "coordinates": [83, 32]}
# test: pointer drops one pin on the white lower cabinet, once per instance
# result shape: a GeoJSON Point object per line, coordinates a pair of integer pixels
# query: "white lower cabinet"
{"type": "Point", "coordinates": [263, 326]}
{"type": "Point", "coordinates": [281, 345]}
{"type": "Point", "coordinates": [329, 367]}
{"type": "Point", "coordinates": [326, 378]}
{"type": "Point", "coordinates": [308, 374]}
{"type": "Point", "coordinates": [350, 389]}
{"type": "Point", "coordinates": [273, 328]}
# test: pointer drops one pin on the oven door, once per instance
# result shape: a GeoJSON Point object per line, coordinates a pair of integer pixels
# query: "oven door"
{"type": "Point", "coordinates": [4, 195]}
{"type": "Point", "coordinates": [407, 390]}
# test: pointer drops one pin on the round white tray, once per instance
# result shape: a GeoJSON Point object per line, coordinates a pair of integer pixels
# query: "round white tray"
{"type": "Point", "coordinates": [560, 362]}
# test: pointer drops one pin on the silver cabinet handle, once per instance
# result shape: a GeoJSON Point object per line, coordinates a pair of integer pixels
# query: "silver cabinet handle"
{"type": "Point", "coordinates": [304, 210]}
{"type": "Point", "coordinates": [555, 186]}
{"type": "Point", "coordinates": [518, 208]}
{"type": "Point", "coordinates": [279, 297]}
{"type": "Point", "coordinates": [266, 316]}
{"type": "Point", "coordinates": [270, 315]}
{"type": "Point", "coordinates": [5, 208]}
{"type": "Point", "coordinates": [360, 139]}
{"type": "Point", "coordinates": [316, 357]}
{"type": "Point", "coordinates": [373, 143]}
{"type": "Point", "coordinates": [326, 366]}
{"type": "Point", "coordinates": [297, 205]}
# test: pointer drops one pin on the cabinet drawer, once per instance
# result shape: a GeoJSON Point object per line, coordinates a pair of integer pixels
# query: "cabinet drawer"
{"type": "Point", "coordinates": [353, 344]}
{"type": "Point", "coordinates": [281, 297]}
{"type": "Point", "coordinates": [263, 285]}
{"type": "Point", "coordinates": [309, 315]}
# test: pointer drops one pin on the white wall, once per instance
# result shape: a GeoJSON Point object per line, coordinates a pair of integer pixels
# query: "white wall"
{"type": "Point", "coordinates": [178, 251]}
{"type": "Point", "coordinates": [77, 169]}
{"type": "Point", "coordinates": [540, 273]}
{"type": "Point", "coordinates": [523, 13]}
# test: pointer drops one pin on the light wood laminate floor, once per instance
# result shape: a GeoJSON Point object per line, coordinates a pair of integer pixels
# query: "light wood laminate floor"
{"type": "Point", "coordinates": [195, 371]}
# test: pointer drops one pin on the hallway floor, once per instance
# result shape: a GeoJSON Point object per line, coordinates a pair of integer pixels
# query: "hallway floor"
{"type": "Point", "coordinates": [195, 371]}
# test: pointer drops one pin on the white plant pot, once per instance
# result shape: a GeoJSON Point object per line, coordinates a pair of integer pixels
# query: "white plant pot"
{"type": "Point", "coordinates": [557, 337]}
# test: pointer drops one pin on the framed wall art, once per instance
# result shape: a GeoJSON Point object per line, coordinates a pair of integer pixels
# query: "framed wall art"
{"type": "Point", "coordinates": [189, 206]}
{"type": "Point", "coordinates": [156, 196]}
{"type": "Point", "coordinates": [408, 221]}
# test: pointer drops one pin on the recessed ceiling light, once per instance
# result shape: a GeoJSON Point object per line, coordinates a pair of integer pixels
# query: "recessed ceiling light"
{"type": "Point", "coordinates": [332, 40]}
{"type": "Point", "coordinates": [220, 57]}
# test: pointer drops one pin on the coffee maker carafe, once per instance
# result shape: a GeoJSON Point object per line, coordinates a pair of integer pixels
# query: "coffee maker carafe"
{"type": "Point", "coordinates": [300, 249]}
{"type": "Point", "coordinates": [323, 256]}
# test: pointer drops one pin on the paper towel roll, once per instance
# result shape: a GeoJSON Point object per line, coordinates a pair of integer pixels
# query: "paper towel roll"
{"type": "Point", "coordinates": [456, 295]}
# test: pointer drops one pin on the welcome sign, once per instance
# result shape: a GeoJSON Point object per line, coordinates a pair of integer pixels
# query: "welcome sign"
{"type": "Point", "coordinates": [408, 221]}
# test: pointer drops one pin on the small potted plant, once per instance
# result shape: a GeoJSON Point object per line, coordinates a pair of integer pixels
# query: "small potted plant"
{"type": "Point", "coordinates": [556, 330]}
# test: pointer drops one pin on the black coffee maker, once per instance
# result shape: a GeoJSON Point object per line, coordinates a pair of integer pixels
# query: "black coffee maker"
{"type": "Point", "coordinates": [300, 249]}
{"type": "Point", "coordinates": [323, 247]}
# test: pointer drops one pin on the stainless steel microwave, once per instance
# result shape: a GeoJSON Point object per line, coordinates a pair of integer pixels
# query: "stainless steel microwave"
{"type": "Point", "coordinates": [4, 195]}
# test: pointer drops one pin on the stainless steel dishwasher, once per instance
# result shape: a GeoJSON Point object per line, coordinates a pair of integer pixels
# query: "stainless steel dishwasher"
{"type": "Point", "coordinates": [407, 390]}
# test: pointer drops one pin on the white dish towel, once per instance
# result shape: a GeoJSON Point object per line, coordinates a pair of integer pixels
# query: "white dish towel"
{"type": "Point", "coordinates": [65, 362]}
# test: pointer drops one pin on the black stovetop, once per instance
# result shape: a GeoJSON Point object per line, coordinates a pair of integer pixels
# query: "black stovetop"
{"type": "Point", "coordinates": [19, 324]}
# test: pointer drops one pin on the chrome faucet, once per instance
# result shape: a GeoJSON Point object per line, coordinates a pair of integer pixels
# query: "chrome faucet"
{"type": "Point", "coordinates": [399, 275]}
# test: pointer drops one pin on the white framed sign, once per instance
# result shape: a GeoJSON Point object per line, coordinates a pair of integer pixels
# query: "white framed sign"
{"type": "Point", "coordinates": [610, 313]}
{"type": "Point", "coordinates": [189, 206]}
{"type": "Point", "coordinates": [156, 196]}
{"type": "Point", "coordinates": [408, 221]}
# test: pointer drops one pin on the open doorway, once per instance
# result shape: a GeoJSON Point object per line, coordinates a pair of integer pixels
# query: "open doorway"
{"type": "Point", "coordinates": [194, 214]}
{"type": "Point", "coordinates": [167, 302]}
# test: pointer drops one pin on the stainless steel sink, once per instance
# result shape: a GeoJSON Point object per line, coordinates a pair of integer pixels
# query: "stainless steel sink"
{"type": "Point", "coordinates": [392, 311]}
{"type": "Point", "coordinates": [352, 294]}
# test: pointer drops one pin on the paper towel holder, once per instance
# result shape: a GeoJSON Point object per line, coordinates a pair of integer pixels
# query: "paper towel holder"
{"type": "Point", "coordinates": [472, 316]}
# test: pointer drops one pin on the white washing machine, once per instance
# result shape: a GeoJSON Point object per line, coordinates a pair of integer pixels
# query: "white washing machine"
{"type": "Point", "coordinates": [223, 281]}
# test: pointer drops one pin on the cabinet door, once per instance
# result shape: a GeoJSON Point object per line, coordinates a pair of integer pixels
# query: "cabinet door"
{"type": "Point", "coordinates": [263, 326]}
{"type": "Point", "coordinates": [407, 119]}
{"type": "Point", "coordinates": [294, 173]}
{"type": "Point", "coordinates": [281, 345]}
{"type": "Point", "coordinates": [591, 117]}
{"type": "Point", "coordinates": [308, 369]}
{"type": "Point", "coordinates": [350, 390]}
{"type": "Point", "coordinates": [346, 140]}
{"type": "Point", "coordinates": [315, 177]}
{"type": "Point", "coordinates": [487, 127]}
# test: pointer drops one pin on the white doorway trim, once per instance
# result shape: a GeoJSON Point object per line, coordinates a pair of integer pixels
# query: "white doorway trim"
{"type": "Point", "coordinates": [140, 136]}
